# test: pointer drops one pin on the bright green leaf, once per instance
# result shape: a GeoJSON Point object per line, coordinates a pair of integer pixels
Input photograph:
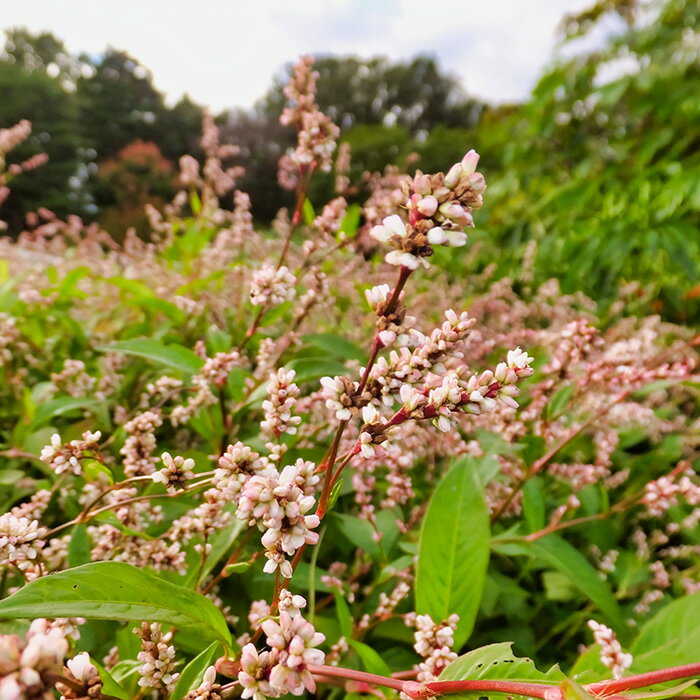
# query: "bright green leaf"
{"type": "Point", "coordinates": [562, 556]}
{"type": "Point", "coordinates": [193, 674]}
{"type": "Point", "coordinates": [173, 355]}
{"type": "Point", "coordinates": [116, 591]}
{"type": "Point", "coordinates": [454, 550]}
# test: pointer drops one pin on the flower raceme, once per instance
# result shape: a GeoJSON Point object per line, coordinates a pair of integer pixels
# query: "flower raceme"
{"type": "Point", "coordinates": [283, 669]}
{"type": "Point", "coordinates": [439, 207]}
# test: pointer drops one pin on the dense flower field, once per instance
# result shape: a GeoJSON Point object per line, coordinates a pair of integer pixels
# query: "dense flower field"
{"type": "Point", "coordinates": [242, 462]}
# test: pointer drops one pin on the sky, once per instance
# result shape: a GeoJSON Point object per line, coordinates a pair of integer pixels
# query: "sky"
{"type": "Point", "coordinates": [224, 53]}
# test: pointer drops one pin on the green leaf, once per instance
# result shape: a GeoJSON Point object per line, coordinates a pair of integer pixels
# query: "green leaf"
{"type": "Point", "coordinates": [497, 662]}
{"type": "Point", "coordinates": [359, 532]}
{"type": "Point", "coordinates": [308, 212]}
{"type": "Point", "coordinates": [343, 612]}
{"type": "Point", "coordinates": [670, 692]}
{"type": "Point", "coordinates": [371, 660]}
{"type": "Point", "coordinates": [173, 355]}
{"type": "Point", "coordinates": [558, 402]}
{"type": "Point", "coordinates": [10, 476]}
{"type": "Point", "coordinates": [57, 407]}
{"type": "Point", "coordinates": [335, 346]}
{"type": "Point", "coordinates": [79, 546]}
{"type": "Point", "coordinates": [110, 687]}
{"type": "Point", "coordinates": [533, 503]}
{"type": "Point", "coordinates": [94, 470]}
{"type": "Point", "coordinates": [573, 691]}
{"type": "Point", "coordinates": [671, 637]}
{"type": "Point", "coordinates": [125, 668]}
{"type": "Point", "coordinates": [351, 220]}
{"type": "Point", "coordinates": [193, 674]}
{"type": "Point", "coordinates": [453, 553]}
{"type": "Point", "coordinates": [562, 556]}
{"type": "Point", "coordinates": [116, 591]}
{"type": "Point", "coordinates": [221, 543]}
{"type": "Point", "coordinates": [313, 368]}
{"type": "Point", "coordinates": [237, 568]}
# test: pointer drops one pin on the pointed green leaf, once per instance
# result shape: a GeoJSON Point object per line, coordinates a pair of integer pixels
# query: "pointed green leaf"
{"type": "Point", "coordinates": [454, 550]}
{"type": "Point", "coordinates": [671, 637]}
{"type": "Point", "coordinates": [57, 407]}
{"type": "Point", "coordinates": [573, 691]}
{"type": "Point", "coordinates": [562, 556]}
{"type": "Point", "coordinates": [371, 659]}
{"type": "Point", "coordinates": [193, 674]}
{"type": "Point", "coordinates": [116, 591]}
{"type": "Point", "coordinates": [497, 662]}
{"type": "Point", "coordinates": [173, 355]}
{"type": "Point", "coordinates": [110, 687]}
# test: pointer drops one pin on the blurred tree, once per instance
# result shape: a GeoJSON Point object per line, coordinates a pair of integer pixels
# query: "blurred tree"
{"type": "Point", "coordinates": [118, 104]}
{"type": "Point", "coordinates": [601, 168]}
{"type": "Point", "coordinates": [180, 129]}
{"type": "Point", "coordinates": [413, 94]}
{"type": "Point", "coordinates": [53, 112]}
{"type": "Point", "coordinates": [136, 176]}
{"type": "Point", "coordinates": [44, 53]}
{"type": "Point", "coordinates": [262, 141]}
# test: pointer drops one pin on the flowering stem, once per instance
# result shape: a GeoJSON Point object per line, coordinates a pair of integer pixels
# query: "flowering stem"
{"type": "Point", "coordinates": [304, 183]}
{"type": "Point", "coordinates": [534, 690]}
{"type": "Point", "coordinates": [126, 501]}
{"type": "Point", "coordinates": [531, 690]}
{"type": "Point", "coordinates": [376, 347]}
{"type": "Point", "coordinates": [231, 560]}
{"type": "Point", "coordinates": [360, 676]}
{"type": "Point", "coordinates": [555, 527]}
{"type": "Point", "coordinates": [404, 274]}
{"type": "Point", "coordinates": [329, 461]}
{"type": "Point", "coordinates": [548, 456]}
{"type": "Point", "coordinates": [540, 463]}
{"type": "Point", "coordinates": [643, 680]}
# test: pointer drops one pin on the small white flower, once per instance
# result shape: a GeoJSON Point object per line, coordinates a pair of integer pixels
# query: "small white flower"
{"type": "Point", "coordinates": [391, 226]}
{"type": "Point", "coordinates": [470, 162]}
{"type": "Point", "coordinates": [369, 414]}
{"type": "Point", "coordinates": [377, 295]}
{"type": "Point", "coordinates": [387, 338]}
{"type": "Point", "coordinates": [366, 446]}
{"type": "Point", "coordinates": [436, 236]}
{"type": "Point", "coordinates": [427, 206]}
{"type": "Point", "coordinates": [399, 258]}
{"type": "Point", "coordinates": [81, 667]}
{"type": "Point", "coordinates": [518, 359]}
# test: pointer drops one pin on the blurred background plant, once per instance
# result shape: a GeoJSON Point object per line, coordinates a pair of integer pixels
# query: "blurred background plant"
{"type": "Point", "coordinates": [599, 166]}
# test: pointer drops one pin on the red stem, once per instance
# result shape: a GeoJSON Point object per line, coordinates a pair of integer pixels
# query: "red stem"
{"type": "Point", "coordinates": [361, 676]}
{"type": "Point", "coordinates": [531, 690]}
{"type": "Point", "coordinates": [642, 680]}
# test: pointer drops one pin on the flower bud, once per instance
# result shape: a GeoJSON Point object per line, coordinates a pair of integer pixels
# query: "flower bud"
{"type": "Point", "coordinates": [427, 206]}
{"type": "Point", "coordinates": [469, 162]}
{"type": "Point", "coordinates": [455, 212]}
{"type": "Point", "coordinates": [436, 236]}
{"type": "Point", "coordinates": [453, 176]}
{"type": "Point", "coordinates": [421, 184]}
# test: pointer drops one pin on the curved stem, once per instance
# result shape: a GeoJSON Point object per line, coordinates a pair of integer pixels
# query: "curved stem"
{"type": "Point", "coordinates": [643, 680]}
{"type": "Point", "coordinates": [360, 676]}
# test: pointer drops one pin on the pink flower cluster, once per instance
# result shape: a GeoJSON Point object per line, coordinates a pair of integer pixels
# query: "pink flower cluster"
{"type": "Point", "coordinates": [284, 668]}
{"type": "Point", "coordinates": [439, 207]}
{"type": "Point", "coordinates": [280, 503]}
{"type": "Point", "coordinates": [611, 653]}
{"type": "Point", "coordinates": [434, 643]}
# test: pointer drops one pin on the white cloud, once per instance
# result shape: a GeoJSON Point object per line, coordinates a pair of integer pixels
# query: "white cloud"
{"type": "Point", "coordinates": [224, 53]}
